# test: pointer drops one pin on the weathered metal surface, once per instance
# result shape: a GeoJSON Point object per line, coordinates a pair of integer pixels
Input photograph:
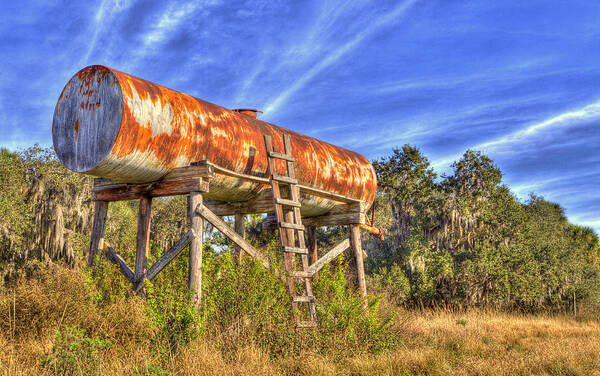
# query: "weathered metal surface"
{"type": "Point", "coordinates": [110, 124]}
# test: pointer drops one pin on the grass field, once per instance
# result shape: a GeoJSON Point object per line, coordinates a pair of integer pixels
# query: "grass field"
{"type": "Point", "coordinates": [116, 339]}
{"type": "Point", "coordinates": [434, 343]}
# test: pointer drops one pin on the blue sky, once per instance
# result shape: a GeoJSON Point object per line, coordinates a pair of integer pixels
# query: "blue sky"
{"type": "Point", "coordinates": [519, 80]}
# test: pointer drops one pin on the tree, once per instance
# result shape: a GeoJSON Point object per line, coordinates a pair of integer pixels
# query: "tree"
{"type": "Point", "coordinates": [15, 213]}
{"type": "Point", "coordinates": [469, 191]}
{"type": "Point", "coordinates": [407, 180]}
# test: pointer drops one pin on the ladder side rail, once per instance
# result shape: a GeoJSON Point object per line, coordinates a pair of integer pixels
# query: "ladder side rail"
{"type": "Point", "coordinates": [295, 196]}
{"type": "Point", "coordinates": [279, 214]}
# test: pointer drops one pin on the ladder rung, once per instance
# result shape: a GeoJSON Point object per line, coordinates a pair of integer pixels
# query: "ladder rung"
{"type": "Point", "coordinates": [295, 250]}
{"type": "Point", "coordinates": [306, 324]}
{"type": "Point", "coordinates": [287, 157]}
{"type": "Point", "coordinates": [291, 225]}
{"type": "Point", "coordinates": [286, 202]}
{"type": "Point", "coordinates": [304, 299]}
{"type": "Point", "coordinates": [284, 179]}
{"type": "Point", "coordinates": [300, 274]}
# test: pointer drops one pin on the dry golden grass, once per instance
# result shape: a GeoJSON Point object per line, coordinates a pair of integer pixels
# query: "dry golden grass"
{"type": "Point", "coordinates": [479, 343]}
{"type": "Point", "coordinates": [473, 343]}
{"type": "Point", "coordinates": [431, 343]}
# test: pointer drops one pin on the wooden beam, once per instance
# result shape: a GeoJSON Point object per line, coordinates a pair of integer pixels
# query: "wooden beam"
{"type": "Point", "coordinates": [170, 254]}
{"type": "Point", "coordinates": [262, 203]}
{"type": "Point", "coordinates": [167, 258]}
{"type": "Point", "coordinates": [339, 215]}
{"type": "Point", "coordinates": [198, 169]}
{"type": "Point", "coordinates": [121, 191]}
{"type": "Point", "coordinates": [143, 239]}
{"type": "Point", "coordinates": [114, 257]}
{"type": "Point", "coordinates": [240, 228]}
{"type": "Point", "coordinates": [218, 223]}
{"type": "Point", "coordinates": [326, 194]}
{"type": "Point", "coordinates": [184, 180]}
{"type": "Point", "coordinates": [195, 256]}
{"type": "Point", "coordinates": [358, 257]}
{"type": "Point", "coordinates": [337, 250]}
{"type": "Point", "coordinates": [98, 226]}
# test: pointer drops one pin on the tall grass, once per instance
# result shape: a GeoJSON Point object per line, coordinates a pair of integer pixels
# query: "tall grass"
{"type": "Point", "coordinates": [55, 320]}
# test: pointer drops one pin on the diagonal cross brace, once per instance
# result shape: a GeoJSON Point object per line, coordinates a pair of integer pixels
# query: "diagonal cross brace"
{"type": "Point", "coordinates": [333, 253]}
{"type": "Point", "coordinates": [114, 257]}
{"type": "Point", "coordinates": [218, 223]}
{"type": "Point", "coordinates": [166, 258]}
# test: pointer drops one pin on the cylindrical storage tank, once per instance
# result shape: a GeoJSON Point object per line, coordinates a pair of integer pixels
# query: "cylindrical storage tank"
{"type": "Point", "coordinates": [113, 125]}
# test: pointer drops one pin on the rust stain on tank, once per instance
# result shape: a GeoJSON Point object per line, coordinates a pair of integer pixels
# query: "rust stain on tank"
{"type": "Point", "coordinates": [162, 129]}
{"type": "Point", "coordinates": [76, 128]}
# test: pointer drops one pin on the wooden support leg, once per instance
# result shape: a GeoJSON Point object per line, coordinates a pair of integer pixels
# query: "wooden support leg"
{"type": "Point", "coordinates": [240, 228]}
{"type": "Point", "coordinates": [97, 238]}
{"type": "Point", "coordinates": [312, 245]}
{"type": "Point", "coordinates": [143, 240]}
{"type": "Point", "coordinates": [358, 257]}
{"type": "Point", "coordinates": [195, 260]}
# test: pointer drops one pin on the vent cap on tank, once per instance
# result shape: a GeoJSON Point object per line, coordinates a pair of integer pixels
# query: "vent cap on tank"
{"type": "Point", "coordinates": [247, 111]}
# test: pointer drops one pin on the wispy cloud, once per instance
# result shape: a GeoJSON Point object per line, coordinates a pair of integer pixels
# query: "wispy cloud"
{"type": "Point", "coordinates": [104, 14]}
{"type": "Point", "coordinates": [490, 78]}
{"type": "Point", "coordinates": [369, 138]}
{"type": "Point", "coordinates": [591, 111]}
{"type": "Point", "coordinates": [242, 95]}
{"type": "Point", "coordinates": [316, 38]}
{"type": "Point", "coordinates": [321, 31]}
{"type": "Point", "coordinates": [338, 53]}
{"type": "Point", "coordinates": [566, 119]}
{"type": "Point", "coordinates": [522, 189]}
{"type": "Point", "coordinates": [173, 17]}
{"type": "Point", "coordinates": [170, 21]}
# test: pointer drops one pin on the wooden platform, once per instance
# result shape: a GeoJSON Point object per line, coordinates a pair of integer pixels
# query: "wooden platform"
{"type": "Point", "coordinates": [197, 178]}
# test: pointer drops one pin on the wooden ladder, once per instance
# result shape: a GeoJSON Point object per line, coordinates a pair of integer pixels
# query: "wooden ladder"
{"type": "Point", "coordinates": [291, 230]}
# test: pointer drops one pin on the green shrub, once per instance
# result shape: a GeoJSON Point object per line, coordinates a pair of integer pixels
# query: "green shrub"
{"type": "Point", "coordinates": [244, 303]}
{"type": "Point", "coordinates": [392, 282]}
{"type": "Point", "coordinates": [344, 325]}
{"type": "Point", "coordinates": [75, 352]}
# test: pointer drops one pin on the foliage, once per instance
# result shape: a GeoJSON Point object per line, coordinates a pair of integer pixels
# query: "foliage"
{"type": "Point", "coordinates": [15, 214]}
{"type": "Point", "coordinates": [74, 352]}
{"type": "Point", "coordinates": [44, 208]}
{"type": "Point", "coordinates": [466, 240]}
{"type": "Point", "coordinates": [342, 318]}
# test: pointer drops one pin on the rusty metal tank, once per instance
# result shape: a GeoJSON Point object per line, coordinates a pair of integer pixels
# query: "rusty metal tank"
{"type": "Point", "coordinates": [113, 125]}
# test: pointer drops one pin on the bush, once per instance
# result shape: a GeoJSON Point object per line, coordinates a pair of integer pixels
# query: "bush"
{"type": "Point", "coordinates": [392, 282]}
{"type": "Point", "coordinates": [245, 303]}
{"type": "Point", "coordinates": [344, 326]}
{"type": "Point", "coordinates": [75, 352]}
